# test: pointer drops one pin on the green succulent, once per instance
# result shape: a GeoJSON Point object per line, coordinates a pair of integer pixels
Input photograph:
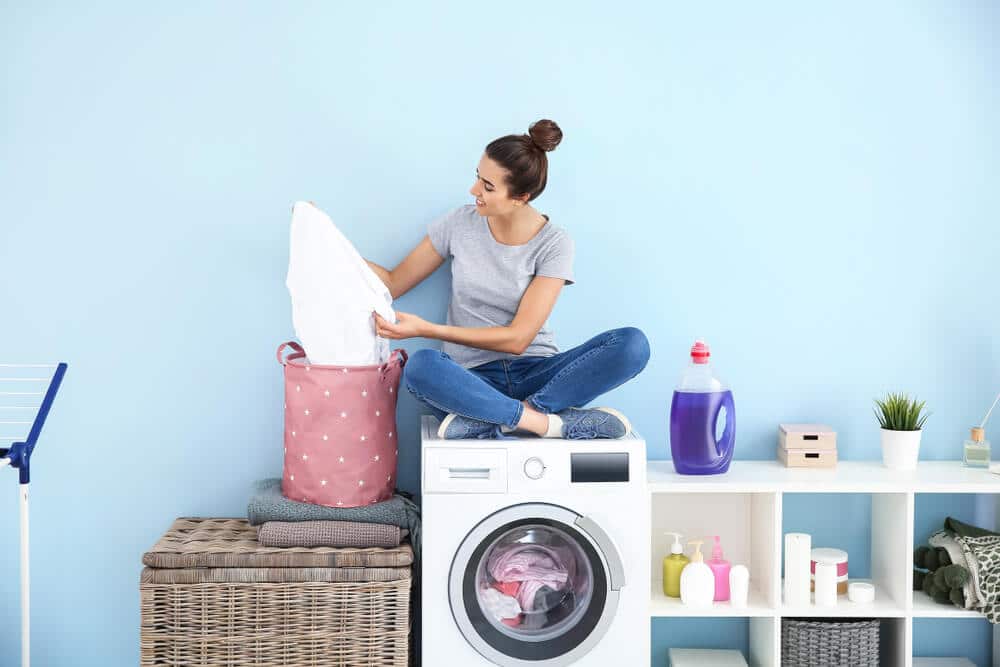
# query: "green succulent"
{"type": "Point", "coordinates": [898, 412]}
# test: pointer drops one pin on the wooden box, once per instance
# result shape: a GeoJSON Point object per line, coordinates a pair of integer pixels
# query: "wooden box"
{"type": "Point", "coordinates": [807, 446]}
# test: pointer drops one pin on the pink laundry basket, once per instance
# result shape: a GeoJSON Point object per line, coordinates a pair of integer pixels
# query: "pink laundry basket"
{"type": "Point", "coordinates": [340, 430]}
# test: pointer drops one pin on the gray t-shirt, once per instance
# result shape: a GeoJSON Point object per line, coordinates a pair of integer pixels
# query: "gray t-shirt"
{"type": "Point", "coordinates": [488, 278]}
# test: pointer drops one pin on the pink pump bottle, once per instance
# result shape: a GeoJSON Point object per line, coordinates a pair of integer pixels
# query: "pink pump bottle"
{"type": "Point", "coordinates": [720, 568]}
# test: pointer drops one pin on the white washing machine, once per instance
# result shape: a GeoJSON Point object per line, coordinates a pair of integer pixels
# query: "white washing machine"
{"type": "Point", "coordinates": [535, 551]}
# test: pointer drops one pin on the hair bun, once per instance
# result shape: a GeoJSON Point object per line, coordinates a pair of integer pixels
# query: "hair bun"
{"type": "Point", "coordinates": [545, 134]}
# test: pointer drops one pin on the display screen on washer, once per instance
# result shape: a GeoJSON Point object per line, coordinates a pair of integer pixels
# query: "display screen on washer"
{"type": "Point", "coordinates": [599, 467]}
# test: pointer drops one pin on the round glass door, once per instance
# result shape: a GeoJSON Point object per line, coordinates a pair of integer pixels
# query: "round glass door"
{"type": "Point", "coordinates": [530, 586]}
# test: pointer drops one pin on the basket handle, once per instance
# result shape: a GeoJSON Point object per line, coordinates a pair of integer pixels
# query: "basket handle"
{"type": "Point", "coordinates": [398, 353]}
{"type": "Point", "coordinates": [299, 352]}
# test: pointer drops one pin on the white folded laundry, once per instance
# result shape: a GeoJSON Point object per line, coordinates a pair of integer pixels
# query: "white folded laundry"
{"type": "Point", "coordinates": [334, 292]}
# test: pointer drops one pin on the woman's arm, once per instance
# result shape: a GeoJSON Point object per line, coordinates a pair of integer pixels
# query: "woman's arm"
{"type": "Point", "coordinates": [536, 305]}
{"type": "Point", "coordinates": [420, 263]}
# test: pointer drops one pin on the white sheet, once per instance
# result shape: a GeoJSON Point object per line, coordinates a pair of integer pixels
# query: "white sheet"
{"type": "Point", "coordinates": [334, 293]}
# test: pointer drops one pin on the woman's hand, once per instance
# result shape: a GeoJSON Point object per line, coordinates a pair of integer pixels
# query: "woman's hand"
{"type": "Point", "coordinates": [406, 326]}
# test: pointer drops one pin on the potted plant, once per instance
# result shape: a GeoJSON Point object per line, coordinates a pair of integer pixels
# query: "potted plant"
{"type": "Point", "coordinates": [902, 420]}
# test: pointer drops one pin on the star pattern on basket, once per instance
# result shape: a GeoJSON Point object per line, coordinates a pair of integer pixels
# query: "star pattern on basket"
{"type": "Point", "coordinates": [314, 479]}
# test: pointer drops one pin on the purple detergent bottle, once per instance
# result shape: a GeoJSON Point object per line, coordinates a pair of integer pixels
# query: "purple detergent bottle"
{"type": "Point", "coordinates": [694, 413]}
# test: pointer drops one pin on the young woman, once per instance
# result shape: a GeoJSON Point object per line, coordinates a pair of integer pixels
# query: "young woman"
{"type": "Point", "coordinates": [499, 368]}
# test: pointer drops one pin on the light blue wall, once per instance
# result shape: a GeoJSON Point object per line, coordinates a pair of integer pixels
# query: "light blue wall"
{"type": "Point", "coordinates": [814, 190]}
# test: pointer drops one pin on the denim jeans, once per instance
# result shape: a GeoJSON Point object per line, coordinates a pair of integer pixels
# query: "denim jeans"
{"type": "Point", "coordinates": [492, 392]}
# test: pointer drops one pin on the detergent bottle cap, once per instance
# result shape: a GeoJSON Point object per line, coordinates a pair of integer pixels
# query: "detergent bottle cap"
{"type": "Point", "coordinates": [700, 352]}
{"type": "Point", "coordinates": [696, 557]}
{"type": "Point", "coordinates": [676, 547]}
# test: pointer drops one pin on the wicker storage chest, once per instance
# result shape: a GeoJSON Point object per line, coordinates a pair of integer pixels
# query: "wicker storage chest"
{"type": "Point", "coordinates": [212, 595]}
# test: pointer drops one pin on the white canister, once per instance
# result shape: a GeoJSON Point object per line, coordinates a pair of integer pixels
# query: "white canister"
{"type": "Point", "coordinates": [835, 557]}
{"type": "Point", "coordinates": [739, 586]}
{"type": "Point", "coordinates": [797, 559]}
{"type": "Point", "coordinates": [826, 585]}
{"type": "Point", "coordinates": [861, 592]}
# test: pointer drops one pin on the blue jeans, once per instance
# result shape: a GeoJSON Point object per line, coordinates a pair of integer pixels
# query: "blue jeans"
{"type": "Point", "coordinates": [492, 392]}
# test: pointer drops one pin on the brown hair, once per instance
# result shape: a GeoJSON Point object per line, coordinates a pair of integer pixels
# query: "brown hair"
{"type": "Point", "coordinates": [523, 156]}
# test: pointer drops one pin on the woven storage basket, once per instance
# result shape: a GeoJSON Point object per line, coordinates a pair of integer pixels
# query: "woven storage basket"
{"type": "Point", "coordinates": [211, 595]}
{"type": "Point", "coordinates": [831, 643]}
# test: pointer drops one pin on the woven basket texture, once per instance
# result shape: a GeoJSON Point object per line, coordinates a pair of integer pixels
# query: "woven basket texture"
{"type": "Point", "coordinates": [211, 596]}
{"type": "Point", "coordinates": [830, 643]}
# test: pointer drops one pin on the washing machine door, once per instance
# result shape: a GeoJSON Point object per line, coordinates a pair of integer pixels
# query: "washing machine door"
{"type": "Point", "coordinates": [535, 584]}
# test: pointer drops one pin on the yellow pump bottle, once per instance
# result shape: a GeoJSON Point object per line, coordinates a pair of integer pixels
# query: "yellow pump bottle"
{"type": "Point", "coordinates": [672, 566]}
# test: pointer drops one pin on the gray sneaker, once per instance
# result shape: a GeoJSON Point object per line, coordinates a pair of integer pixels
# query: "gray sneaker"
{"type": "Point", "coordinates": [591, 423]}
{"type": "Point", "coordinates": [457, 427]}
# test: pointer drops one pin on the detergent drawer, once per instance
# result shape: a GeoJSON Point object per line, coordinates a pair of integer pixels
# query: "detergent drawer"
{"type": "Point", "coordinates": [472, 470]}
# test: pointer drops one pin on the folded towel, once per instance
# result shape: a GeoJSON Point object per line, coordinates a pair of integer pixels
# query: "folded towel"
{"type": "Point", "coordinates": [946, 540]}
{"type": "Point", "coordinates": [328, 534]}
{"type": "Point", "coordinates": [267, 504]}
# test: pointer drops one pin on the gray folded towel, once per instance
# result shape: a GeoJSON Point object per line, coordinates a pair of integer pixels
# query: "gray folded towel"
{"type": "Point", "coordinates": [267, 504]}
{"type": "Point", "coordinates": [329, 534]}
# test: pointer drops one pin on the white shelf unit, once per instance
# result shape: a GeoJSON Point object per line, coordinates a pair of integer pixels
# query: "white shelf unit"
{"type": "Point", "coordinates": [744, 507]}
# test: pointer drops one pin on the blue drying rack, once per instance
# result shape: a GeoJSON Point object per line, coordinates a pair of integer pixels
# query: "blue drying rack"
{"type": "Point", "coordinates": [18, 455]}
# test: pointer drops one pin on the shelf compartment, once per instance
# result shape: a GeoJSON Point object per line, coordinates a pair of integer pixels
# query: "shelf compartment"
{"type": "Point", "coordinates": [747, 524]}
{"type": "Point", "coordinates": [869, 528]}
{"type": "Point", "coordinates": [756, 638]}
{"type": "Point", "coordinates": [962, 637]}
{"type": "Point", "coordinates": [930, 511]}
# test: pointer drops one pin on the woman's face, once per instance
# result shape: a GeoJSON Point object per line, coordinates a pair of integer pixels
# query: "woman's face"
{"type": "Point", "coordinates": [490, 190]}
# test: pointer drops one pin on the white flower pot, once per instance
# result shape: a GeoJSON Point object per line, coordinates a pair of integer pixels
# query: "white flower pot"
{"type": "Point", "coordinates": [900, 449]}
